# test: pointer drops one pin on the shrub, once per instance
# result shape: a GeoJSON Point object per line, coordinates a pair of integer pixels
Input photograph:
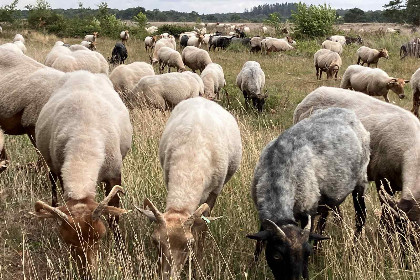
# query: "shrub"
{"type": "Point", "coordinates": [173, 29]}
{"type": "Point", "coordinates": [313, 21]}
{"type": "Point", "coordinates": [8, 13]}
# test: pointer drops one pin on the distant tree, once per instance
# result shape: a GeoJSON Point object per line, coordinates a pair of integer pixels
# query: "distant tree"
{"type": "Point", "coordinates": [394, 11]}
{"type": "Point", "coordinates": [41, 16]}
{"type": "Point", "coordinates": [313, 21]}
{"type": "Point", "coordinates": [355, 15]}
{"type": "Point", "coordinates": [8, 13]}
{"type": "Point", "coordinates": [274, 21]}
{"type": "Point", "coordinates": [413, 11]}
{"type": "Point", "coordinates": [235, 18]}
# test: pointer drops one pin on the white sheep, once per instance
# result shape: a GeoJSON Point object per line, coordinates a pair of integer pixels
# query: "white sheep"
{"type": "Point", "coordinates": [370, 56]}
{"type": "Point", "coordinates": [256, 43]}
{"type": "Point", "coordinates": [83, 133]}
{"type": "Point", "coordinates": [89, 45]}
{"type": "Point", "coordinates": [332, 46]}
{"type": "Point", "coordinates": [277, 45]}
{"type": "Point", "coordinates": [20, 45]}
{"type": "Point", "coordinates": [12, 47]}
{"type": "Point", "coordinates": [251, 81]}
{"type": "Point", "coordinates": [124, 35]}
{"type": "Point", "coordinates": [192, 178]}
{"type": "Point", "coordinates": [327, 61]}
{"type": "Point", "coordinates": [164, 35]}
{"type": "Point", "coordinates": [195, 58]}
{"type": "Point", "coordinates": [374, 82]}
{"type": "Point", "coordinates": [169, 57]}
{"type": "Point", "coordinates": [338, 38]}
{"type": "Point", "coordinates": [91, 37]}
{"type": "Point", "coordinates": [149, 43]}
{"type": "Point", "coordinates": [169, 42]}
{"type": "Point", "coordinates": [247, 29]}
{"type": "Point", "coordinates": [19, 37]}
{"type": "Point", "coordinates": [195, 41]}
{"type": "Point", "coordinates": [213, 80]}
{"type": "Point", "coordinates": [167, 90]}
{"type": "Point", "coordinates": [415, 86]}
{"type": "Point", "coordinates": [152, 29]}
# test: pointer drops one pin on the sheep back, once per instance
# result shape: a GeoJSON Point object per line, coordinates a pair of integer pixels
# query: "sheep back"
{"type": "Point", "coordinates": [195, 58]}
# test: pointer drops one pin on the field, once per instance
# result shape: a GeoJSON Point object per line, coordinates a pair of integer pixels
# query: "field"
{"type": "Point", "coordinates": [32, 248]}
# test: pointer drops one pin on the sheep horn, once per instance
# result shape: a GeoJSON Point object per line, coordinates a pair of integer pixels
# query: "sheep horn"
{"type": "Point", "coordinates": [104, 203]}
{"type": "Point", "coordinates": [270, 225]}
{"type": "Point", "coordinates": [40, 205]}
{"type": "Point", "coordinates": [308, 225]}
{"type": "Point", "coordinates": [196, 215]}
{"type": "Point", "coordinates": [159, 216]}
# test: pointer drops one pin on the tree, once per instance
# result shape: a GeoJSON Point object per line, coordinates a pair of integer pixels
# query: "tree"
{"type": "Point", "coordinates": [274, 21]}
{"type": "Point", "coordinates": [313, 21]}
{"type": "Point", "coordinates": [355, 15]}
{"type": "Point", "coordinates": [41, 16]}
{"type": "Point", "coordinates": [8, 13]}
{"type": "Point", "coordinates": [140, 19]}
{"type": "Point", "coordinates": [413, 11]}
{"type": "Point", "coordinates": [394, 11]}
{"type": "Point", "coordinates": [235, 18]}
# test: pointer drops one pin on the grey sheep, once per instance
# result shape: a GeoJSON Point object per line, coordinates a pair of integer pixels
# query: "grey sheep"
{"type": "Point", "coordinates": [327, 61]}
{"type": "Point", "coordinates": [251, 81]}
{"type": "Point", "coordinates": [213, 80]}
{"type": "Point", "coordinates": [169, 57]}
{"type": "Point", "coordinates": [310, 167]}
{"type": "Point", "coordinates": [195, 58]}
{"type": "Point", "coordinates": [370, 56]}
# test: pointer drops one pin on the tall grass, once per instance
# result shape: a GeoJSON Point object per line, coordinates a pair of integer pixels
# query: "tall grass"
{"type": "Point", "coordinates": [32, 249]}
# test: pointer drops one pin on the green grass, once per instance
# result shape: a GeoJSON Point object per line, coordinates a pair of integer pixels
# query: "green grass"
{"type": "Point", "coordinates": [32, 249]}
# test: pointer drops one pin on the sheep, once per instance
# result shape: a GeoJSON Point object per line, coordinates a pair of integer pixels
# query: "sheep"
{"type": "Point", "coordinates": [170, 42]}
{"type": "Point", "coordinates": [124, 36]}
{"type": "Point", "coordinates": [264, 29]}
{"type": "Point", "coordinates": [66, 60]}
{"type": "Point", "coordinates": [415, 86]}
{"type": "Point", "coordinates": [370, 56]}
{"type": "Point", "coordinates": [170, 58]}
{"type": "Point", "coordinates": [125, 78]}
{"type": "Point", "coordinates": [119, 54]}
{"type": "Point", "coordinates": [12, 47]}
{"type": "Point", "coordinates": [151, 29]}
{"type": "Point", "coordinates": [221, 42]}
{"type": "Point", "coordinates": [242, 41]}
{"type": "Point", "coordinates": [83, 132]}
{"type": "Point", "coordinates": [247, 29]}
{"type": "Point", "coordinates": [394, 134]}
{"type": "Point", "coordinates": [411, 48]}
{"type": "Point", "coordinates": [76, 47]}
{"type": "Point", "coordinates": [193, 180]}
{"type": "Point", "coordinates": [277, 45]}
{"type": "Point", "coordinates": [164, 35]}
{"type": "Point", "coordinates": [338, 38]}
{"type": "Point", "coordinates": [167, 90]}
{"type": "Point", "coordinates": [251, 81]}
{"type": "Point", "coordinates": [327, 61]}
{"type": "Point", "coordinates": [206, 39]}
{"type": "Point", "coordinates": [149, 42]}
{"type": "Point", "coordinates": [91, 38]}
{"type": "Point", "coordinates": [19, 37]}
{"type": "Point", "coordinates": [90, 45]}
{"type": "Point", "coordinates": [195, 41]}
{"type": "Point", "coordinates": [374, 82]}
{"type": "Point", "coordinates": [310, 167]}
{"type": "Point", "coordinates": [332, 46]}
{"type": "Point", "coordinates": [213, 80]}
{"type": "Point", "coordinates": [351, 40]}
{"type": "Point", "coordinates": [195, 58]}
{"type": "Point", "coordinates": [256, 44]}
{"type": "Point", "coordinates": [4, 160]}
{"type": "Point", "coordinates": [183, 40]}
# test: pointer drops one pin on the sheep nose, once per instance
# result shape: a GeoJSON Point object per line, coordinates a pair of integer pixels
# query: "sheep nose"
{"type": "Point", "coordinates": [401, 96]}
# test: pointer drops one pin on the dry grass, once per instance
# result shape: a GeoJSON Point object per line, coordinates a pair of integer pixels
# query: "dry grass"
{"type": "Point", "coordinates": [32, 249]}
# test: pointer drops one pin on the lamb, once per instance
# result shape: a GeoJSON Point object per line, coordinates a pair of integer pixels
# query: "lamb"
{"type": "Point", "coordinates": [251, 81]}
{"type": "Point", "coordinates": [332, 46]}
{"type": "Point", "coordinates": [83, 132]}
{"type": "Point", "coordinates": [125, 78]}
{"type": "Point", "coordinates": [66, 60]}
{"type": "Point", "coordinates": [19, 37]}
{"type": "Point", "coordinates": [4, 161]}
{"type": "Point", "coordinates": [338, 38]}
{"type": "Point", "coordinates": [277, 45]}
{"type": "Point", "coordinates": [149, 42]}
{"type": "Point", "coordinates": [327, 61]}
{"type": "Point", "coordinates": [170, 42]}
{"type": "Point", "coordinates": [170, 58]}
{"type": "Point", "coordinates": [124, 36]}
{"type": "Point", "coordinates": [193, 180]}
{"type": "Point", "coordinates": [374, 82]}
{"type": "Point", "coordinates": [213, 80]}
{"type": "Point", "coordinates": [415, 86]}
{"type": "Point", "coordinates": [394, 134]}
{"type": "Point", "coordinates": [195, 41]}
{"type": "Point", "coordinates": [92, 37]}
{"type": "Point", "coordinates": [310, 167]}
{"type": "Point", "coordinates": [195, 58]}
{"type": "Point", "coordinates": [370, 56]}
{"type": "Point", "coordinates": [119, 54]}
{"type": "Point", "coordinates": [167, 90]}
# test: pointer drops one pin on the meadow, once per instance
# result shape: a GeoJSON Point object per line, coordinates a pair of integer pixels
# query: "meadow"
{"type": "Point", "coordinates": [32, 249]}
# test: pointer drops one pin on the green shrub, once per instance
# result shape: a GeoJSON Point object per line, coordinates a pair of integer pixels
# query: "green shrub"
{"type": "Point", "coordinates": [173, 29]}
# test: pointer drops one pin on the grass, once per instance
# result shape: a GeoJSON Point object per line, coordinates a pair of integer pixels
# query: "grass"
{"type": "Point", "coordinates": [32, 249]}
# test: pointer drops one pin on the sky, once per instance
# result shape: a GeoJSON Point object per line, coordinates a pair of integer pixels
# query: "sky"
{"type": "Point", "coordinates": [200, 6]}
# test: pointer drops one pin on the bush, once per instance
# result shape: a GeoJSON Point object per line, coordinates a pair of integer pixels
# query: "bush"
{"type": "Point", "coordinates": [173, 29]}
{"type": "Point", "coordinates": [8, 13]}
{"type": "Point", "coordinates": [313, 21]}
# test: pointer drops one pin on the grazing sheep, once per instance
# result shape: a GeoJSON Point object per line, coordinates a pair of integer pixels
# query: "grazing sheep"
{"type": "Point", "coordinates": [394, 141]}
{"type": "Point", "coordinates": [327, 61]}
{"type": "Point", "coordinates": [195, 41]}
{"type": "Point", "coordinates": [169, 57]}
{"type": "Point", "coordinates": [310, 167]}
{"type": "Point", "coordinates": [192, 179]}
{"type": "Point", "coordinates": [83, 132]}
{"type": "Point", "coordinates": [124, 36]}
{"type": "Point", "coordinates": [370, 56]}
{"type": "Point", "coordinates": [206, 39]}
{"type": "Point", "coordinates": [119, 54]}
{"type": "Point", "coordinates": [170, 42]}
{"type": "Point", "coordinates": [125, 78]}
{"type": "Point", "coordinates": [411, 48]}
{"type": "Point", "coordinates": [351, 40]}
{"type": "Point", "coordinates": [195, 58]}
{"type": "Point", "coordinates": [415, 86]}
{"type": "Point", "coordinates": [152, 29]}
{"type": "Point", "coordinates": [90, 45]}
{"type": "Point", "coordinates": [221, 42]}
{"type": "Point", "coordinates": [183, 41]}
{"type": "Point", "coordinates": [167, 90]}
{"type": "Point", "coordinates": [91, 38]}
{"type": "Point", "coordinates": [256, 44]}
{"type": "Point", "coordinates": [213, 80]}
{"type": "Point", "coordinates": [4, 162]}
{"type": "Point", "coordinates": [332, 46]}
{"type": "Point", "coordinates": [338, 38]}
{"type": "Point", "coordinates": [149, 43]}
{"type": "Point", "coordinates": [12, 47]}
{"type": "Point", "coordinates": [277, 45]}
{"type": "Point", "coordinates": [66, 60]}
{"type": "Point", "coordinates": [19, 37]}
{"type": "Point", "coordinates": [251, 81]}
{"type": "Point", "coordinates": [374, 82]}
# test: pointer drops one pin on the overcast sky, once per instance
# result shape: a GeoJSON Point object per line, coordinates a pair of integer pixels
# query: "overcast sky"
{"type": "Point", "coordinates": [200, 6]}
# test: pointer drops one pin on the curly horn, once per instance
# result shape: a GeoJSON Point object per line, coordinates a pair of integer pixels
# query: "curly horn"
{"type": "Point", "coordinates": [104, 203]}
{"type": "Point", "coordinates": [40, 205]}
{"type": "Point", "coordinates": [270, 225]}
{"type": "Point", "coordinates": [159, 216]}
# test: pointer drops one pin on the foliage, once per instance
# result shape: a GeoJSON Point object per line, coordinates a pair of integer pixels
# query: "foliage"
{"type": "Point", "coordinates": [355, 15]}
{"type": "Point", "coordinates": [174, 29]}
{"type": "Point", "coordinates": [394, 11]}
{"type": "Point", "coordinates": [41, 17]}
{"type": "Point", "coordinates": [8, 13]}
{"type": "Point", "coordinates": [413, 11]}
{"type": "Point", "coordinates": [109, 24]}
{"type": "Point", "coordinates": [313, 21]}
{"type": "Point", "coordinates": [140, 19]}
{"type": "Point", "coordinates": [274, 20]}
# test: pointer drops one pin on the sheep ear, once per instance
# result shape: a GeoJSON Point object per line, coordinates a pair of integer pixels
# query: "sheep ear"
{"type": "Point", "coordinates": [406, 81]}
{"type": "Point", "coordinates": [260, 236]}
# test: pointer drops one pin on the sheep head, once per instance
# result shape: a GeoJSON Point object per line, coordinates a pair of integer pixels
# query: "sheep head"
{"type": "Point", "coordinates": [174, 235]}
{"type": "Point", "coordinates": [81, 226]}
{"type": "Point", "coordinates": [383, 53]}
{"type": "Point", "coordinates": [397, 86]}
{"type": "Point", "coordinates": [332, 69]}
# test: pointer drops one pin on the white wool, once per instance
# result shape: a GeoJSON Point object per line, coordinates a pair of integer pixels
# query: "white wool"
{"type": "Point", "coordinates": [19, 37]}
{"type": "Point", "coordinates": [195, 58]}
{"type": "Point", "coordinates": [170, 58]}
{"type": "Point", "coordinates": [251, 79]}
{"type": "Point", "coordinates": [213, 80]}
{"type": "Point", "coordinates": [332, 46]}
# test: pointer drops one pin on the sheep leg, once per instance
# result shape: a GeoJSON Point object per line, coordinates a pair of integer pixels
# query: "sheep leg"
{"type": "Point", "coordinates": [317, 72]}
{"type": "Point", "coordinates": [246, 96]}
{"type": "Point", "coordinates": [360, 208]}
{"type": "Point", "coordinates": [386, 98]}
{"type": "Point", "coordinates": [416, 102]}
{"type": "Point", "coordinates": [358, 61]}
{"type": "Point", "coordinates": [4, 160]}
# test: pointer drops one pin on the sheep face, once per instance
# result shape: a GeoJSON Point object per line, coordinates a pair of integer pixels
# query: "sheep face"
{"type": "Point", "coordinates": [81, 226]}
{"type": "Point", "coordinates": [383, 53]}
{"type": "Point", "coordinates": [332, 70]}
{"type": "Point", "coordinates": [287, 249]}
{"type": "Point", "coordinates": [397, 86]}
{"type": "Point", "coordinates": [174, 236]}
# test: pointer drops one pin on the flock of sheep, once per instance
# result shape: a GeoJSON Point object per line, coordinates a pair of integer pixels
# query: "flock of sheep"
{"type": "Point", "coordinates": [78, 118]}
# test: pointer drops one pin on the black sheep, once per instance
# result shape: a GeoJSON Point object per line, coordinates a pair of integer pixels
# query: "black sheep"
{"type": "Point", "coordinates": [119, 54]}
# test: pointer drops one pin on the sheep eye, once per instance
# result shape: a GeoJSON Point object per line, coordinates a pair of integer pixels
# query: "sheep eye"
{"type": "Point", "coordinates": [277, 257]}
